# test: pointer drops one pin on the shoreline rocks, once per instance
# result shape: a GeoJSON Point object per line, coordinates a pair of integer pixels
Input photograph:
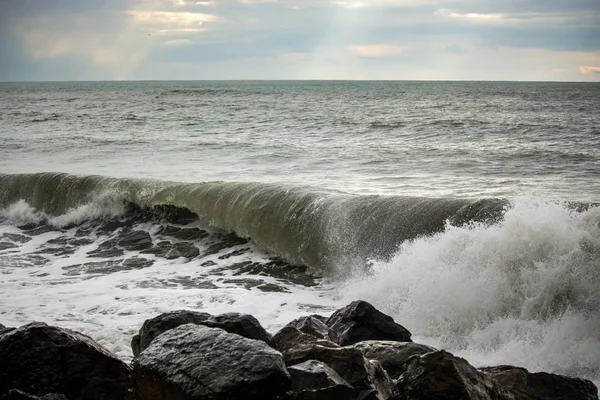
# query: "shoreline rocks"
{"type": "Point", "coordinates": [358, 353]}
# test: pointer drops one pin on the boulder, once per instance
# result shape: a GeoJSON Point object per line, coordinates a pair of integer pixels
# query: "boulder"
{"type": "Point", "coordinates": [162, 323]}
{"type": "Point", "coordinates": [524, 385]}
{"type": "Point", "coordinates": [41, 359]}
{"type": "Point", "coordinates": [242, 324]}
{"type": "Point", "coordinates": [314, 326]}
{"type": "Point", "coordinates": [392, 355]}
{"type": "Point", "coordinates": [360, 321]}
{"type": "Point", "coordinates": [197, 362]}
{"type": "Point", "coordinates": [441, 376]}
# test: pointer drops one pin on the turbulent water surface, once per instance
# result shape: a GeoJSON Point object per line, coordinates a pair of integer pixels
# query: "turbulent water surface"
{"type": "Point", "coordinates": [466, 210]}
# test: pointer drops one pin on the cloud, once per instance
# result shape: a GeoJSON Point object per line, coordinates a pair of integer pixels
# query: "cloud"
{"type": "Point", "coordinates": [585, 69]}
{"type": "Point", "coordinates": [177, 42]}
{"type": "Point", "coordinates": [376, 50]}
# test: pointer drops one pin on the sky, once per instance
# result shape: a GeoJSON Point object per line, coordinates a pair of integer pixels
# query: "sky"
{"type": "Point", "coordinates": [532, 40]}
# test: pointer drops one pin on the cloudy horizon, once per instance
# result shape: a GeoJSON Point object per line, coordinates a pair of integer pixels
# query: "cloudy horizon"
{"type": "Point", "coordinates": [69, 40]}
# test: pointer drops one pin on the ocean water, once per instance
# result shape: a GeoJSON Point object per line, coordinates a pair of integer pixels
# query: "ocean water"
{"type": "Point", "coordinates": [466, 210]}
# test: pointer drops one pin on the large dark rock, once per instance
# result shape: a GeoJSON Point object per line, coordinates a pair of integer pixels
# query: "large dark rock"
{"type": "Point", "coordinates": [162, 323]}
{"type": "Point", "coordinates": [242, 324]}
{"type": "Point", "coordinates": [360, 321]}
{"type": "Point", "coordinates": [41, 359]}
{"type": "Point", "coordinates": [314, 326]}
{"type": "Point", "coordinates": [524, 385]}
{"type": "Point", "coordinates": [392, 355]}
{"type": "Point", "coordinates": [441, 376]}
{"type": "Point", "coordinates": [198, 362]}
{"type": "Point", "coordinates": [382, 384]}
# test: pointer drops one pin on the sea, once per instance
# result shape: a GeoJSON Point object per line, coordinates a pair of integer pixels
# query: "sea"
{"type": "Point", "coordinates": [468, 211]}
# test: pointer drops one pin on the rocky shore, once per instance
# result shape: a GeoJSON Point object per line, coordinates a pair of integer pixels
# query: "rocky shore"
{"type": "Point", "coordinates": [357, 353]}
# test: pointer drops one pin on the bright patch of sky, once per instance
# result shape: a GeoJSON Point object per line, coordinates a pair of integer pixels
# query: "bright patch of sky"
{"type": "Point", "coordinates": [548, 40]}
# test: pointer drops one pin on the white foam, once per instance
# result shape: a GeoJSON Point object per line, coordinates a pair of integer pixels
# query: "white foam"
{"type": "Point", "coordinates": [522, 292]}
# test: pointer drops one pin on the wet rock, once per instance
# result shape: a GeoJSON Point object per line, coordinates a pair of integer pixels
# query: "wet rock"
{"type": "Point", "coordinates": [271, 287]}
{"type": "Point", "coordinates": [58, 241]}
{"type": "Point", "coordinates": [16, 237]}
{"type": "Point", "coordinates": [524, 385]}
{"type": "Point", "coordinates": [162, 323]}
{"type": "Point", "coordinates": [224, 242]}
{"type": "Point", "coordinates": [208, 263]}
{"type": "Point", "coordinates": [440, 375]}
{"type": "Point", "coordinates": [298, 347]}
{"type": "Point", "coordinates": [360, 321]}
{"type": "Point", "coordinates": [16, 394]}
{"type": "Point", "coordinates": [161, 249]}
{"type": "Point", "coordinates": [234, 253]}
{"type": "Point", "coordinates": [198, 362]}
{"type": "Point", "coordinates": [380, 381]}
{"type": "Point", "coordinates": [242, 324]}
{"type": "Point", "coordinates": [289, 339]}
{"type": "Point", "coordinates": [34, 230]}
{"type": "Point", "coordinates": [182, 249]}
{"type": "Point", "coordinates": [315, 326]}
{"type": "Point", "coordinates": [136, 263]}
{"type": "Point", "coordinates": [184, 233]}
{"type": "Point", "coordinates": [312, 374]}
{"type": "Point", "coordinates": [247, 283]}
{"type": "Point", "coordinates": [135, 240]}
{"type": "Point", "coordinates": [393, 356]}
{"type": "Point", "coordinates": [80, 242]}
{"type": "Point", "coordinates": [112, 226]}
{"type": "Point", "coordinates": [329, 393]}
{"type": "Point", "coordinates": [107, 249]}
{"type": "Point", "coordinates": [7, 245]}
{"type": "Point", "coordinates": [41, 359]}
{"type": "Point", "coordinates": [277, 269]}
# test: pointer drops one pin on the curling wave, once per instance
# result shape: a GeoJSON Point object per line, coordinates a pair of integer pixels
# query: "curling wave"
{"type": "Point", "coordinates": [315, 228]}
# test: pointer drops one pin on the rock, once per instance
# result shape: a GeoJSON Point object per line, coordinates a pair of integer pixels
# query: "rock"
{"type": "Point", "coordinates": [392, 355]}
{"type": "Point", "coordinates": [182, 249]}
{"type": "Point", "coordinates": [340, 392]}
{"type": "Point", "coordinates": [41, 359]}
{"type": "Point", "coordinates": [241, 324]}
{"type": "Point", "coordinates": [15, 237]}
{"type": "Point", "coordinates": [15, 394]}
{"type": "Point", "coordinates": [298, 347]}
{"type": "Point", "coordinates": [360, 321]}
{"type": "Point", "coordinates": [198, 362]}
{"type": "Point", "coordinates": [524, 385]}
{"type": "Point", "coordinates": [380, 380]}
{"type": "Point", "coordinates": [184, 233]}
{"type": "Point", "coordinates": [7, 245]}
{"type": "Point", "coordinates": [290, 338]}
{"type": "Point", "coordinates": [312, 375]}
{"type": "Point", "coordinates": [440, 375]}
{"type": "Point", "coordinates": [135, 240]}
{"type": "Point", "coordinates": [314, 326]}
{"type": "Point", "coordinates": [162, 323]}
